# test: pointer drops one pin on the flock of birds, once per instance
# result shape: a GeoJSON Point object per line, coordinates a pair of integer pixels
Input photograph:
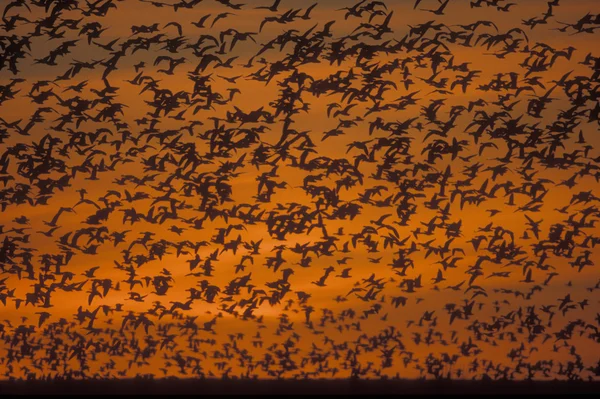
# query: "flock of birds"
{"type": "Point", "coordinates": [335, 193]}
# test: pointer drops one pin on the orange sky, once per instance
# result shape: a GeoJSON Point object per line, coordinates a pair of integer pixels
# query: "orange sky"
{"type": "Point", "coordinates": [326, 349]}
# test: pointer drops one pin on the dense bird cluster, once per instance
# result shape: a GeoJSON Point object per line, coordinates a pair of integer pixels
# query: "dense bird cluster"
{"type": "Point", "coordinates": [299, 190]}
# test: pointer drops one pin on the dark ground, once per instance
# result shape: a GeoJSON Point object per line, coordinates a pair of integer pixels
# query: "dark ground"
{"type": "Point", "coordinates": [203, 387]}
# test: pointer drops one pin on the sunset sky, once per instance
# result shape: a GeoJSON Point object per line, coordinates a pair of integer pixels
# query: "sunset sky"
{"type": "Point", "coordinates": [354, 323]}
